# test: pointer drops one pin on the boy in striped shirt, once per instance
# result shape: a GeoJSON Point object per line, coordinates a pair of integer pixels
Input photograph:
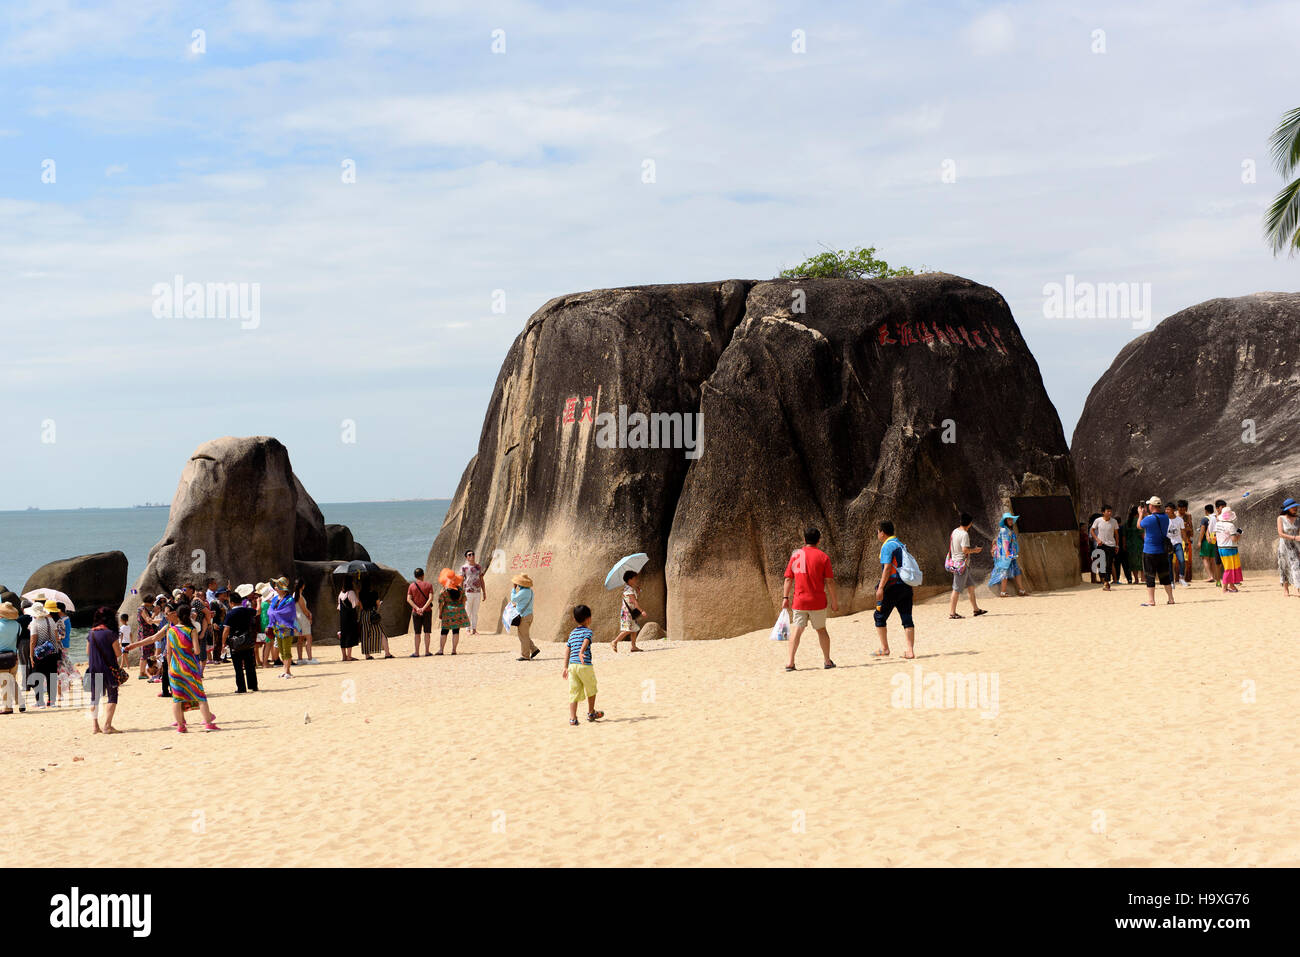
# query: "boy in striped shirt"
{"type": "Point", "coordinates": [578, 669]}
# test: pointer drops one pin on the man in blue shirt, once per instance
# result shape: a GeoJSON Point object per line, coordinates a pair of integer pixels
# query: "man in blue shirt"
{"type": "Point", "coordinates": [892, 592]}
{"type": "Point", "coordinates": [1155, 555]}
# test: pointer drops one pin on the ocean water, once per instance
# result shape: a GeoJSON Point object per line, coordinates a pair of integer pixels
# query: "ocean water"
{"type": "Point", "coordinates": [395, 533]}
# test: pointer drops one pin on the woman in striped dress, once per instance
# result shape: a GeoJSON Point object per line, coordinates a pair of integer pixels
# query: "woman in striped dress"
{"type": "Point", "coordinates": [184, 674]}
{"type": "Point", "coordinates": [372, 632]}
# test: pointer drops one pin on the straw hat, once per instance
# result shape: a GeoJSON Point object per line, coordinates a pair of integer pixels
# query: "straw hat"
{"type": "Point", "coordinates": [7, 610]}
{"type": "Point", "coordinates": [523, 581]}
{"type": "Point", "coordinates": [38, 611]}
{"type": "Point", "coordinates": [244, 590]}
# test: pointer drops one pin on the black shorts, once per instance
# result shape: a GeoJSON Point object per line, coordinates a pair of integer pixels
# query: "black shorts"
{"type": "Point", "coordinates": [1156, 567]}
{"type": "Point", "coordinates": [897, 595]}
{"type": "Point", "coordinates": [423, 622]}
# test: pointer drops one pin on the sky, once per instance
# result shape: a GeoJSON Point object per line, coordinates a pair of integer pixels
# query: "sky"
{"type": "Point", "coordinates": [403, 184]}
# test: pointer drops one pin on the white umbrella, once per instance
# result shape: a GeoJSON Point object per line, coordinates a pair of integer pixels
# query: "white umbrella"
{"type": "Point", "coordinates": [634, 562]}
{"type": "Point", "coordinates": [50, 594]}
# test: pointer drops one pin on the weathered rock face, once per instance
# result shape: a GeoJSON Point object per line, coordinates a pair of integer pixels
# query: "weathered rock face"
{"type": "Point", "coordinates": [322, 596]}
{"type": "Point", "coordinates": [342, 547]}
{"type": "Point", "coordinates": [910, 400]}
{"type": "Point", "coordinates": [830, 402]}
{"type": "Point", "coordinates": [241, 508]}
{"type": "Point", "coordinates": [542, 497]}
{"type": "Point", "coordinates": [89, 580]}
{"type": "Point", "coordinates": [1175, 414]}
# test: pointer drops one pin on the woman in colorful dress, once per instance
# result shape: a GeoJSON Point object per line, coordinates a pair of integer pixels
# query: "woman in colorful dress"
{"type": "Point", "coordinates": [184, 675]}
{"type": "Point", "coordinates": [1227, 535]}
{"type": "Point", "coordinates": [372, 630]}
{"type": "Point", "coordinates": [452, 615]}
{"type": "Point", "coordinates": [1288, 546]}
{"type": "Point", "coordinates": [1006, 557]}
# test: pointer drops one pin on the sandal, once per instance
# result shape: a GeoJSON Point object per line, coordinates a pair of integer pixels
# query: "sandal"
{"type": "Point", "coordinates": [789, 667]}
{"type": "Point", "coordinates": [829, 665]}
{"type": "Point", "coordinates": [879, 654]}
{"type": "Point", "coordinates": [390, 656]}
{"type": "Point", "coordinates": [1022, 593]}
{"type": "Point", "coordinates": [981, 611]}
{"type": "Point", "coordinates": [573, 721]}
{"type": "Point", "coordinates": [955, 615]}
{"type": "Point", "coordinates": [182, 729]}
{"type": "Point", "coordinates": [593, 715]}
{"type": "Point", "coordinates": [536, 652]}
{"type": "Point", "coordinates": [521, 659]}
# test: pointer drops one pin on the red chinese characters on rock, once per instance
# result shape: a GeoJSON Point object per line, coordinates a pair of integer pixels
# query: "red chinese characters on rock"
{"type": "Point", "coordinates": [535, 560]}
{"type": "Point", "coordinates": [571, 414]}
{"type": "Point", "coordinates": [920, 332]}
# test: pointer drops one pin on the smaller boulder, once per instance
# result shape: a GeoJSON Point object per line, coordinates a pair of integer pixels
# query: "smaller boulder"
{"type": "Point", "coordinates": [651, 631]}
{"type": "Point", "coordinates": [89, 580]}
{"type": "Point", "coordinates": [342, 547]}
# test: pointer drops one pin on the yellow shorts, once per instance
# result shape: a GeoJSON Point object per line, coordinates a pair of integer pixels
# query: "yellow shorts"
{"type": "Point", "coordinates": [284, 646]}
{"type": "Point", "coordinates": [815, 618]}
{"type": "Point", "coordinates": [582, 682]}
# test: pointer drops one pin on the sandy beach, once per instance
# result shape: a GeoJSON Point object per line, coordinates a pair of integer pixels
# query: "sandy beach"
{"type": "Point", "coordinates": [1120, 736]}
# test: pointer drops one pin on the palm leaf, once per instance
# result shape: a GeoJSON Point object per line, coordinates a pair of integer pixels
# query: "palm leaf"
{"type": "Point", "coordinates": [1285, 142]}
{"type": "Point", "coordinates": [1282, 224]}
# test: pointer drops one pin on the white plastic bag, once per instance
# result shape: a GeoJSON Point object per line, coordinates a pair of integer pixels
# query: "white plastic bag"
{"type": "Point", "coordinates": [909, 571]}
{"type": "Point", "coordinates": [509, 615]}
{"type": "Point", "coordinates": [781, 630]}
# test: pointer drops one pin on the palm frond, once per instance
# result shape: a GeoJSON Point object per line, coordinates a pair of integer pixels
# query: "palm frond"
{"type": "Point", "coordinates": [1282, 223]}
{"type": "Point", "coordinates": [1285, 142]}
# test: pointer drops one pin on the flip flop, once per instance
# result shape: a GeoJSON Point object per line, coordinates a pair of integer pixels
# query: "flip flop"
{"type": "Point", "coordinates": [828, 665]}
{"type": "Point", "coordinates": [879, 654]}
{"type": "Point", "coordinates": [789, 667]}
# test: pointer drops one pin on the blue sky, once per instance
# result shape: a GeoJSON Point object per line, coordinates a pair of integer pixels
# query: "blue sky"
{"type": "Point", "coordinates": [521, 171]}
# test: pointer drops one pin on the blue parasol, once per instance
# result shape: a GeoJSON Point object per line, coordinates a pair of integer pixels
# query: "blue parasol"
{"type": "Point", "coordinates": [634, 563]}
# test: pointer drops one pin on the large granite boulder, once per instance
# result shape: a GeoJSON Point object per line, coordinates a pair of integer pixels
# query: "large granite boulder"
{"type": "Point", "coordinates": [545, 496]}
{"type": "Point", "coordinates": [322, 596]}
{"type": "Point", "coordinates": [1201, 407]}
{"type": "Point", "coordinates": [342, 547]}
{"type": "Point", "coordinates": [239, 514]}
{"type": "Point", "coordinates": [89, 580]}
{"type": "Point", "coordinates": [911, 400]}
{"type": "Point", "coordinates": [832, 402]}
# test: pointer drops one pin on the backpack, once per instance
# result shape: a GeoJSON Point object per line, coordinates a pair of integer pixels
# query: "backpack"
{"type": "Point", "coordinates": [909, 572]}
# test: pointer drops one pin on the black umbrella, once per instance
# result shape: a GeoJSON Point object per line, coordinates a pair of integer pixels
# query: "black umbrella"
{"type": "Point", "coordinates": [379, 577]}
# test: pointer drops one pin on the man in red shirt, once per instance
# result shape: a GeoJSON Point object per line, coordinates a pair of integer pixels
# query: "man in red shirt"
{"type": "Point", "coordinates": [809, 572]}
